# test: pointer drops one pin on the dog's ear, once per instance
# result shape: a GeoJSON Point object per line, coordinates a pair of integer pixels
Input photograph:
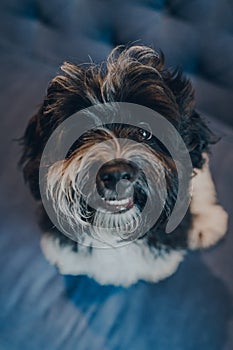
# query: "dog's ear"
{"type": "Point", "coordinates": [32, 149]}
{"type": "Point", "coordinates": [182, 90]}
{"type": "Point", "coordinates": [193, 128]}
{"type": "Point", "coordinates": [198, 137]}
{"type": "Point", "coordinates": [56, 106]}
{"type": "Point", "coordinates": [66, 94]}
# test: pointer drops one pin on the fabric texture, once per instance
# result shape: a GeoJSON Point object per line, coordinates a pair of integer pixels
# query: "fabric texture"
{"type": "Point", "coordinates": [41, 309]}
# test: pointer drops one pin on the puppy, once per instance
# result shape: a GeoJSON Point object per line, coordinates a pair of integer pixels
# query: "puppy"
{"type": "Point", "coordinates": [111, 240]}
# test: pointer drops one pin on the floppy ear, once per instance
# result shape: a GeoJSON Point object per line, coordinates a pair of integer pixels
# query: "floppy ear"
{"type": "Point", "coordinates": [54, 108]}
{"type": "Point", "coordinates": [37, 132]}
{"type": "Point", "coordinates": [32, 149]}
{"type": "Point", "coordinates": [193, 128]}
{"type": "Point", "coordinates": [198, 138]}
{"type": "Point", "coordinates": [66, 94]}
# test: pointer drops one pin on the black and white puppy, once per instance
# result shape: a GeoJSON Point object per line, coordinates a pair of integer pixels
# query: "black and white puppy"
{"type": "Point", "coordinates": [133, 75]}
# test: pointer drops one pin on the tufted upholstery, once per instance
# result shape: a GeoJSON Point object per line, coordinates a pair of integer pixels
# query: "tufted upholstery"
{"type": "Point", "coordinates": [195, 34]}
{"type": "Point", "coordinates": [39, 309]}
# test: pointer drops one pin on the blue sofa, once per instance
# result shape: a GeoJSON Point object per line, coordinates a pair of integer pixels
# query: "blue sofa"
{"type": "Point", "coordinates": [41, 309]}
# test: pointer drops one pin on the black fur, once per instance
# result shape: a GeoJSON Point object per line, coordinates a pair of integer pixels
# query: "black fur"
{"type": "Point", "coordinates": [138, 76]}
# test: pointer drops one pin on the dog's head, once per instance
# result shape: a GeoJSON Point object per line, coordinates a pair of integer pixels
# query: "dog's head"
{"type": "Point", "coordinates": [129, 174]}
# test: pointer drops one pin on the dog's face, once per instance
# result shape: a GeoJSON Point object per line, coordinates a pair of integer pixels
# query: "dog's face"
{"type": "Point", "coordinates": [128, 175]}
{"type": "Point", "coordinates": [106, 180]}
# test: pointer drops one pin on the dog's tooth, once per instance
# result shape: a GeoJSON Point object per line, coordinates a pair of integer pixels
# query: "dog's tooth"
{"type": "Point", "coordinates": [118, 202]}
{"type": "Point", "coordinates": [124, 201]}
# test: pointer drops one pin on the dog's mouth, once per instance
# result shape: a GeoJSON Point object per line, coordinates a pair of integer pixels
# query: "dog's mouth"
{"type": "Point", "coordinates": [118, 205]}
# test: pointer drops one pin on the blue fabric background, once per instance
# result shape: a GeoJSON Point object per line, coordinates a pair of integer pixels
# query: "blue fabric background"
{"type": "Point", "coordinates": [40, 309]}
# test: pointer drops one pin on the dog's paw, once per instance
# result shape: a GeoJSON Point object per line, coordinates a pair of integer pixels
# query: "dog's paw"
{"type": "Point", "coordinates": [208, 228]}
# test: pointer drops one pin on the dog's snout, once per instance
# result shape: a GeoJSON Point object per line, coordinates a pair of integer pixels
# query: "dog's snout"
{"type": "Point", "coordinates": [114, 171]}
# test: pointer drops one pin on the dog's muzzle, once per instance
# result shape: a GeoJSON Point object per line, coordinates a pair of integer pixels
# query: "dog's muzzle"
{"type": "Point", "coordinates": [115, 183]}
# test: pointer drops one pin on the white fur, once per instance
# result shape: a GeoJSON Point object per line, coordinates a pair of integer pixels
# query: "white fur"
{"type": "Point", "coordinates": [210, 219]}
{"type": "Point", "coordinates": [119, 266]}
{"type": "Point", "coordinates": [70, 181]}
{"type": "Point", "coordinates": [125, 265]}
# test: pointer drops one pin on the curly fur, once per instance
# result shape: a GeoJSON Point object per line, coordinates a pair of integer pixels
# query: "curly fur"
{"type": "Point", "coordinates": [134, 74]}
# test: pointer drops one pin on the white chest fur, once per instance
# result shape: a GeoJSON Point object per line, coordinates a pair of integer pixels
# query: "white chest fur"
{"type": "Point", "coordinates": [119, 266]}
{"type": "Point", "coordinates": [137, 261]}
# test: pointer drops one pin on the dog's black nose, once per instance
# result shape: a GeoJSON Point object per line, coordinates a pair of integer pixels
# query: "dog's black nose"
{"type": "Point", "coordinates": [114, 171]}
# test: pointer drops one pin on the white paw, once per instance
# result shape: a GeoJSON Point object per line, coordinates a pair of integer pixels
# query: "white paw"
{"type": "Point", "coordinates": [208, 227]}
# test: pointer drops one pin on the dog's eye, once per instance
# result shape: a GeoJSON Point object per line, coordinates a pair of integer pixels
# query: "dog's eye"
{"type": "Point", "coordinates": [144, 133]}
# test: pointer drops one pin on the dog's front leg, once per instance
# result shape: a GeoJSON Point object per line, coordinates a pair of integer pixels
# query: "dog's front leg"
{"type": "Point", "coordinates": [209, 219]}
